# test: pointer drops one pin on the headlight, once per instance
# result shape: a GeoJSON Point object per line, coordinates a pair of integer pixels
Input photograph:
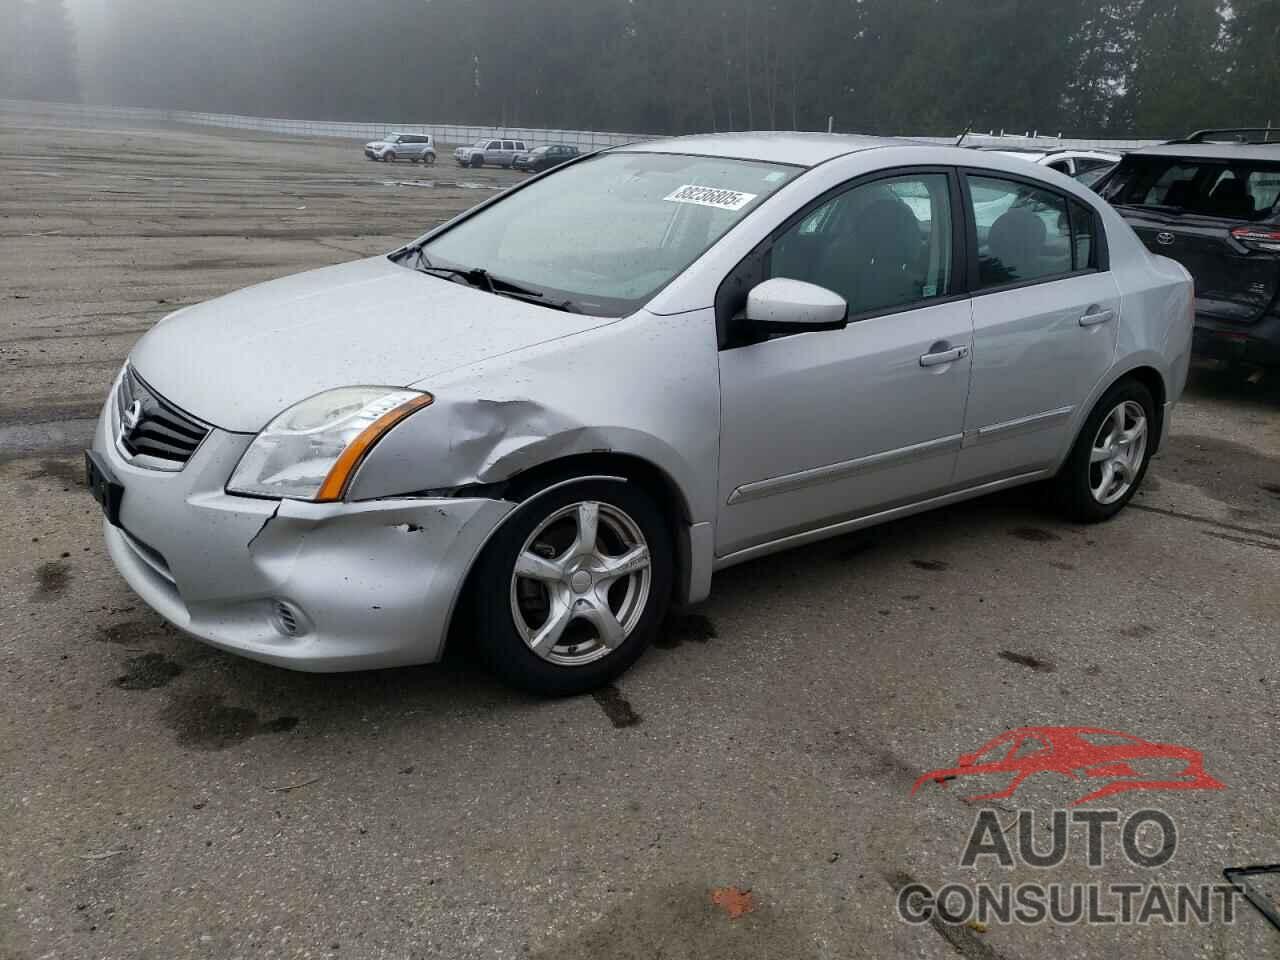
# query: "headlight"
{"type": "Point", "coordinates": [311, 451]}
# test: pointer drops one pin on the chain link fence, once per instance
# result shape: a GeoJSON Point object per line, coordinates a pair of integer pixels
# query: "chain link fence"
{"type": "Point", "coordinates": [452, 133]}
{"type": "Point", "coordinates": [442, 133]}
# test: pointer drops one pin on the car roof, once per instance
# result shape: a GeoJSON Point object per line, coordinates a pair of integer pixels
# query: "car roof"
{"type": "Point", "coordinates": [796, 149]}
{"type": "Point", "coordinates": [1212, 151]}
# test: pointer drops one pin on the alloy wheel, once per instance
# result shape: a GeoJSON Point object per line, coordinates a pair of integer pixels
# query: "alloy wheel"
{"type": "Point", "coordinates": [581, 583]}
{"type": "Point", "coordinates": [1118, 451]}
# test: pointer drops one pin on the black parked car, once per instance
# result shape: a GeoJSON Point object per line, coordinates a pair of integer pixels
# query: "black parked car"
{"type": "Point", "coordinates": [544, 158]}
{"type": "Point", "coordinates": [1212, 202]}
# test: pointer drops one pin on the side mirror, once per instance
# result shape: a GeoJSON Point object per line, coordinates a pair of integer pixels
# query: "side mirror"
{"type": "Point", "coordinates": [782, 305]}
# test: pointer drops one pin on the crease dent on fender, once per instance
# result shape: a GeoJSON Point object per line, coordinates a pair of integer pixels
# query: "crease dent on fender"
{"type": "Point", "coordinates": [496, 439]}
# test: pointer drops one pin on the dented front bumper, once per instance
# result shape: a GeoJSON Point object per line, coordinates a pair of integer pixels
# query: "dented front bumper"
{"type": "Point", "coordinates": [318, 587]}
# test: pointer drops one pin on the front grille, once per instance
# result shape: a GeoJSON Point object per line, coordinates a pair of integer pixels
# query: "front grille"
{"type": "Point", "coordinates": [150, 426]}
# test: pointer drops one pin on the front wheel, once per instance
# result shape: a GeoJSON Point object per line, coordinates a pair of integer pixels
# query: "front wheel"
{"type": "Point", "coordinates": [389, 157]}
{"type": "Point", "coordinates": [572, 589]}
{"type": "Point", "coordinates": [477, 161]}
{"type": "Point", "coordinates": [1110, 458]}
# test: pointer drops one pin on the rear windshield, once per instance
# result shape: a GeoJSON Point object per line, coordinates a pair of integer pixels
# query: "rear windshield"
{"type": "Point", "coordinates": [1211, 188]}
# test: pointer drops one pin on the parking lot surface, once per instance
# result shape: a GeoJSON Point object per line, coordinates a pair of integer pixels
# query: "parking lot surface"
{"type": "Point", "coordinates": [160, 799]}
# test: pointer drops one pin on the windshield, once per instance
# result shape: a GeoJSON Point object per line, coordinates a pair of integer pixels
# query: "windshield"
{"type": "Point", "coordinates": [607, 233]}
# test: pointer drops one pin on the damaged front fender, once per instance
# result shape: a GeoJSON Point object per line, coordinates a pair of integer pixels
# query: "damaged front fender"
{"type": "Point", "coordinates": [472, 442]}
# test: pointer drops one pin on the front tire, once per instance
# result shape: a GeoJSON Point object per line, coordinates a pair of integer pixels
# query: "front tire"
{"type": "Point", "coordinates": [389, 157]}
{"type": "Point", "coordinates": [477, 161]}
{"type": "Point", "coordinates": [1109, 460]}
{"type": "Point", "coordinates": [572, 589]}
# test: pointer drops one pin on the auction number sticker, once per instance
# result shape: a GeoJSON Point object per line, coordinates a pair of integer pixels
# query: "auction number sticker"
{"type": "Point", "coordinates": [710, 197]}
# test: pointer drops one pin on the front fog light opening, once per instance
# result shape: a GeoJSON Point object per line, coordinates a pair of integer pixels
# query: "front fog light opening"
{"type": "Point", "coordinates": [288, 619]}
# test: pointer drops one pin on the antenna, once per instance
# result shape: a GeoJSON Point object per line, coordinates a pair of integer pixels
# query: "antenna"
{"type": "Point", "coordinates": [960, 139]}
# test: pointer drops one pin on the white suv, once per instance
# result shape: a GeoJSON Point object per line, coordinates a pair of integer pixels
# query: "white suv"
{"type": "Point", "coordinates": [498, 153]}
{"type": "Point", "coordinates": [1074, 163]}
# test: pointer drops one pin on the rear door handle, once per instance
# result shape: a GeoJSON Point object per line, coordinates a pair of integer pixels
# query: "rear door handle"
{"type": "Point", "coordinates": [943, 356]}
{"type": "Point", "coordinates": [1097, 316]}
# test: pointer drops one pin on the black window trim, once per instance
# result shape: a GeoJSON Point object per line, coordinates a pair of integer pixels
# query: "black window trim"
{"type": "Point", "coordinates": [971, 230]}
{"type": "Point", "coordinates": [756, 260]}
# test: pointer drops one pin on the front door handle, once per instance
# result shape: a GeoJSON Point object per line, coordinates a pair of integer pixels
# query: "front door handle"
{"type": "Point", "coordinates": [943, 356]}
{"type": "Point", "coordinates": [1097, 316]}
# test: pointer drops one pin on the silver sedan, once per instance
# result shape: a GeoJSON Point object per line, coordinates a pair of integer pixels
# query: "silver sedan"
{"type": "Point", "coordinates": [564, 410]}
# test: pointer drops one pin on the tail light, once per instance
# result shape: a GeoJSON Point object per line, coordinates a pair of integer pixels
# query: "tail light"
{"type": "Point", "coordinates": [1258, 238]}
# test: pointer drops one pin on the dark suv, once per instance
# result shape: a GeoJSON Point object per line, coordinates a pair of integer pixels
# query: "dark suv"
{"type": "Point", "coordinates": [1212, 202]}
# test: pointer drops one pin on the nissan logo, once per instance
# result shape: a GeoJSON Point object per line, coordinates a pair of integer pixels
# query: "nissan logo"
{"type": "Point", "coordinates": [1164, 238]}
{"type": "Point", "coordinates": [132, 417]}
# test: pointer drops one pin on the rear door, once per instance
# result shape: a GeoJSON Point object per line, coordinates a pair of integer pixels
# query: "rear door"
{"type": "Point", "coordinates": [1046, 313]}
{"type": "Point", "coordinates": [1187, 208]}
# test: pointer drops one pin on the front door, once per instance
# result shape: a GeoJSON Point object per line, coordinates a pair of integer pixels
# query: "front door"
{"type": "Point", "coordinates": [820, 427]}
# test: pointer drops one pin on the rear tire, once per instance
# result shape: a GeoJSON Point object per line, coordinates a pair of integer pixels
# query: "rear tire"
{"type": "Point", "coordinates": [573, 619]}
{"type": "Point", "coordinates": [1110, 457]}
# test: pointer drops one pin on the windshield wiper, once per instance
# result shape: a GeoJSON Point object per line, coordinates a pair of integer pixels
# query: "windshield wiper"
{"type": "Point", "coordinates": [482, 279]}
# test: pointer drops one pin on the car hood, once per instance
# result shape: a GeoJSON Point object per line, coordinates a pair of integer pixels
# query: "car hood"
{"type": "Point", "coordinates": [238, 361]}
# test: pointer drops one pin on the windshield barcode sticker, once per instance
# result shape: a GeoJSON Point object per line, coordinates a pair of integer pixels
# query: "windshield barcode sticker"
{"type": "Point", "coordinates": [710, 197]}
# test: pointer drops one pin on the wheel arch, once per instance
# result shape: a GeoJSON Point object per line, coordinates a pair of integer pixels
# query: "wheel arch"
{"type": "Point", "coordinates": [1141, 371]}
{"type": "Point", "coordinates": [527, 485]}
{"type": "Point", "coordinates": [1153, 380]}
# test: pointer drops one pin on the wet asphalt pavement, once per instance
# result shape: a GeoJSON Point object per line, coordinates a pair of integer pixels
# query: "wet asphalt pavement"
{"type": "Point", "coordinates": [160, 799]}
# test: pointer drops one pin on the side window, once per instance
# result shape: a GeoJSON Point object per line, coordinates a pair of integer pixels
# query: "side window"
{"type": "Point", "coordinates": [494, 145]}
{"type": "Point", "coordinates": [1084, 247]}
{"type": "Point", "coordinates": [880, 245]}
{"type": "Point", "coordinates": [1023, 232]}
{"type": "Point", "coordinates": [1062, 166]}
{"type": "Point", "coordinates": [1264, 188]}
{"type": "Point", "coordinates": [508, 145]}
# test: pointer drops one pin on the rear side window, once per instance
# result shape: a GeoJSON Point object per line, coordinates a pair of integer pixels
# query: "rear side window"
{"type": "Point", "coordinates": [1212, 188]}
{"type": "Point", "coordinates": [1024, 233]}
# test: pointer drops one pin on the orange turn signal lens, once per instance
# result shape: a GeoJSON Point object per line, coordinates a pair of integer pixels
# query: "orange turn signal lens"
{"type": "Point", "coordinates": [335, 483]}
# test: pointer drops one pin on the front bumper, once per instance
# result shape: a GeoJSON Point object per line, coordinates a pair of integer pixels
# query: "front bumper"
{"type": "Point", "coordinates": [369, 584]}
{"type": "Point", "coordinates": [1253, 343]}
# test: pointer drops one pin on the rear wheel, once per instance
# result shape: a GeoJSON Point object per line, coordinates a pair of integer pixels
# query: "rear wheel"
{"type": "Point", "coordinates": [430, 158]}
{"type": "Point", "coordinates": [1110, 458]}
{"type": "Point", "coordinates": [571, 590]}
